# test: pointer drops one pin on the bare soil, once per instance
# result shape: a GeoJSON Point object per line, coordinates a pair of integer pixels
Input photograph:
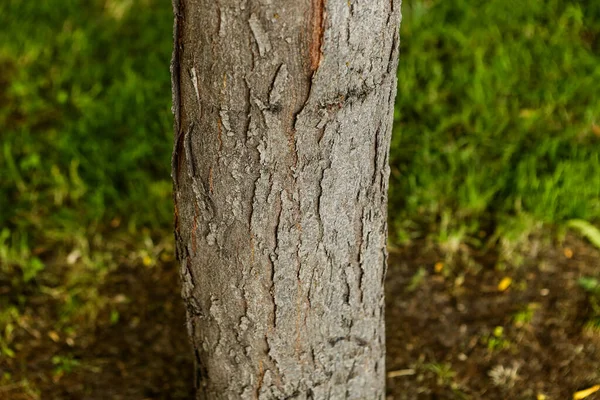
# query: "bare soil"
{"type": "Point", "coordinates": [452, 332]}
{"type": "Point", "coordinates": [456, 335]}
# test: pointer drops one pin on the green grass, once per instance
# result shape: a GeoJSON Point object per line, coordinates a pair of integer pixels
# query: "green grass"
{"type": "Point", "coordinates": [497, 130]}
{"type": "Point", "coordinates": [85, 116]}
{"type": "Point", "coordinates": [498, 114]}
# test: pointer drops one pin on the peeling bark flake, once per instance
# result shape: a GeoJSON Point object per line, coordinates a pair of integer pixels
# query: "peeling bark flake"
{"type": "Point", "coordinates": [260, 35]}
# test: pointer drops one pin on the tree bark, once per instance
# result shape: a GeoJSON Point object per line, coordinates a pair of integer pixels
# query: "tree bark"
{"type": "Point", "coordinates": [283, 115]}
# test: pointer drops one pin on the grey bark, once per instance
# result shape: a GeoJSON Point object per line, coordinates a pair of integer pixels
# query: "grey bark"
{"type": "Point", "coordinates": [283, 115]}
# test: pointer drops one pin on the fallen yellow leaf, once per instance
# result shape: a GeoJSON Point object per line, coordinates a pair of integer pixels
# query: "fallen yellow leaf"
{"type": "Point", "coordinates": [147, 261]}
{"type": "Point", "coordinates": [541, 396]}
{"type": "Point", "coordinates": [568, 252]}
{"type": "Point", "coordinates": [504, 283]}
{"type": "Point", "coordinates": [582, 394]}
{"type": "Point", "coordinates": [54, 336]}
{"type": "Point", "coordinates": [438, 267]}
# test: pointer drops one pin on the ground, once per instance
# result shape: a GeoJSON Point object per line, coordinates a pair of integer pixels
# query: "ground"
{"type": "Point", "coordinates": [462, 327]}
{"type": "Point", "coordinates": [457, 335]}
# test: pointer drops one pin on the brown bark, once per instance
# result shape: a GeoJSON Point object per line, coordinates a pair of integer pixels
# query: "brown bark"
{"type": "Point", "coordinates": [283, 115]}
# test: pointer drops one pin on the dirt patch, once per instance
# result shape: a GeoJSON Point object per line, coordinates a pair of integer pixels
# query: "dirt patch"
{"type": "Point", "coordinates": [143, 355]}
{"type": "Point", "coordinates": [452, 333]}
{"type": "Point", "coordinates": [455, 334]}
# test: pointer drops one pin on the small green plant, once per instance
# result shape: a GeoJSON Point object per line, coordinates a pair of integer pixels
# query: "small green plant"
{"type": "Point", "coordinates": [450, 237]}
{"type": "Point", "coordinates": [16, 254]}
{"type": "Point", "coordinates": [416, 280]}
{"type": "Point", "coordinates": [64, 364]}
{"type": "Point", "coordinates": [496, 340]}
{"type": "Point", "coordinates": [592, 286]}
{"type": "Point", "coordinates": [445, 377]}
{"type": "Point", "coordinates": [114, 317]}
{"type": "Point", "coordinates": [524, 316]}
{"type": "Point", "coordinates": [443, 371]}
{"type": "Point", "coordinates": [9, 317]}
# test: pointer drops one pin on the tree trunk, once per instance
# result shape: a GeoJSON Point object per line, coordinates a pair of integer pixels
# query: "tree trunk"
{"type": "Point", "coordinates": [283, 116]}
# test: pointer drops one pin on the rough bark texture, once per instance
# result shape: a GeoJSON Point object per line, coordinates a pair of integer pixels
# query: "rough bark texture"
{"type": "Point", "coordinates": [283, 115]}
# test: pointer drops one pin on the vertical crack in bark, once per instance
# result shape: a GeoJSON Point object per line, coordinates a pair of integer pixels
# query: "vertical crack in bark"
{"type": "Point", "coordinates": [299, 289]}
{"type": "Point", "coordinates": [376, 156]}
{"type": "Point", "coordinates": [309, 292]}
{"type": "Point", "coordinates": [261, 376]}
{"type": "Point", "coordinates": [200, 374]}
{"type": "Point", "coordinates": [362, 248]}
{"type": "Point", "coordinates": [175, 63]}
{"type": "Point", "coordinates": [203, 201]}
{"type": "Point", "coordinates": [176, 158]}
{"type": "Point", "coordinates": [348, 289]}
{"type": "Point", "coordinates": [187, 145]}
{"type": "Point", "coordinates": [222, 123]}
{"type": "Point", "coordinates": [393, 60]}
{"type": "Point", "coordinates": [194, 229]}
{"type": "Point", "coordinates": [176, 108]}
{"type": "Point", "coordinates": [274, 256]}
{"type": "Point", "coordinates": [319, 205]}
{"type": "Point", "coordinates": [248, 110]}
{"type": "Point", "coordinates": [349, 378]}
{"type": "Point", "coordinates": [219, 135]}
{"type": "Point", "coordinates": [272, 259]}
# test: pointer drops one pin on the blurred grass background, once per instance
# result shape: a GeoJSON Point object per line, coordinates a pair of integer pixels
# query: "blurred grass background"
{"type": "Point", "coordinates": [497, 117]}
{"type": "Point", "coordinates": [496, 138]}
